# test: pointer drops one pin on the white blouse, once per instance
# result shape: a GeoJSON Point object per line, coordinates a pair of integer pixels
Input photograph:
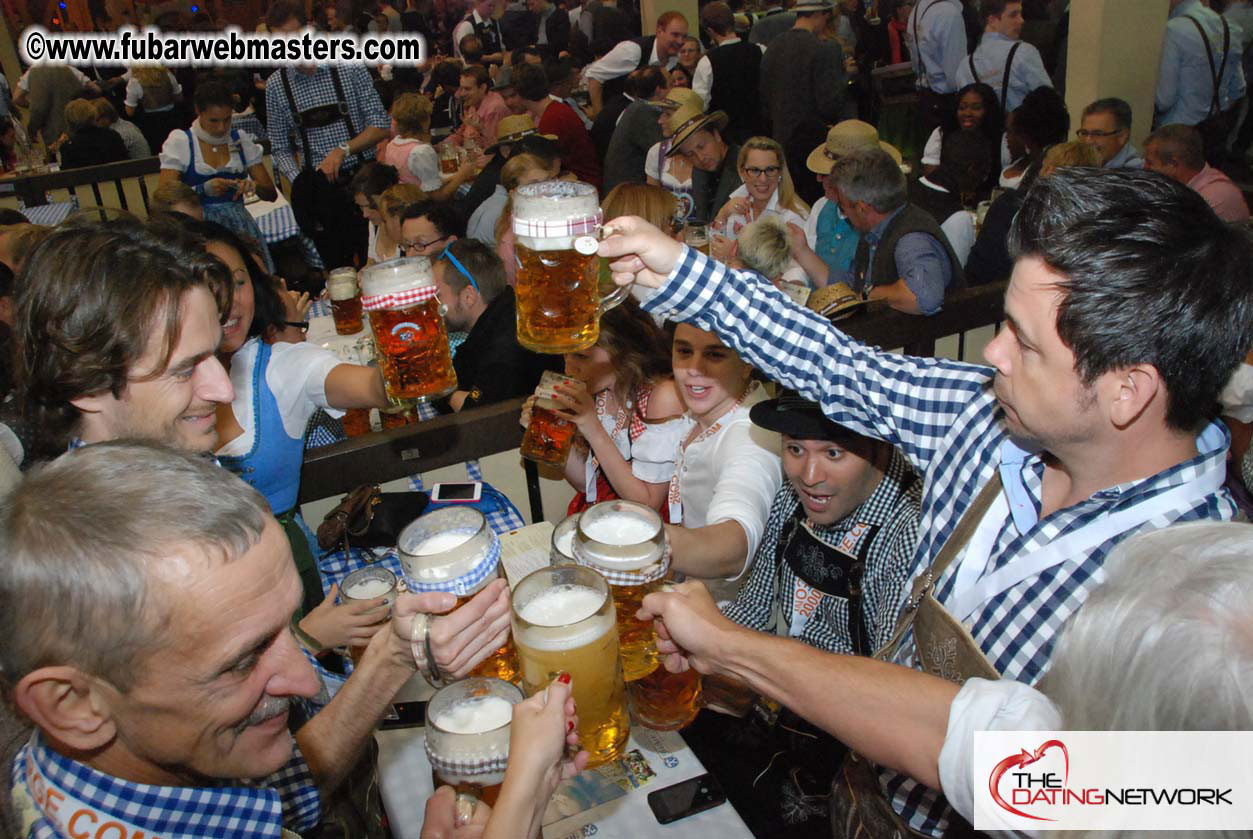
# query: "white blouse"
{"type": "Point", "coordinates": [737, 222]}
{"type": "Point", "coordinates": [296, 375]}
{"type": "Point", "coordinates": [731, 475]}
{"type": "Point", "coordinates": [176, 155]}
{"type": "Point", "coordinates": [651, 454]}
{"type": "Point", "coordinates": [656, 166]}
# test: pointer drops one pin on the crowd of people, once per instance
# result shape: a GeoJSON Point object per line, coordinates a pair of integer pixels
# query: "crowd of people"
{"type": "Point", "coordinates": [891, 553]}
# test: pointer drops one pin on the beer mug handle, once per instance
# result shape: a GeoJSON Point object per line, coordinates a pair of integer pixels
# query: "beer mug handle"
{"type": "Point", "coordinates": [613, 299]}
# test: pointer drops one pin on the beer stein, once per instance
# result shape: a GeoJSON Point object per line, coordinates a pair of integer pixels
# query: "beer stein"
{"type": "Point", "coordinates": [558, 293]}
{"type": "Point", "coordinates": [409, 331]}
{"type": "Point", "coordinates": [455, 550]}
{"type": "Point", "coordinates": [665, 701]}
{"type": "Point", "coordinates": [563, 620]}
{"type": "Point", "coordinates": [625, 542]}
{"type": "Point", "coordinates": [341, 288]}
{"type": "Point", "coordinates": [550, 433]}
{"type": "Point", "coordinates": [562, 551]}
{"type": "Point", "coordinates": [696, 236]}
{"type": "Point", "coordinates": [467, 739]}
{"type": "Point", "coordinates": [369, 583]}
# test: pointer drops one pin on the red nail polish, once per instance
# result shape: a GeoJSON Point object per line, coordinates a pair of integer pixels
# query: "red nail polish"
{"type": "Point", "coordinates": [569, 726]}
{"type": "Point", "coordinates": [564, 678]}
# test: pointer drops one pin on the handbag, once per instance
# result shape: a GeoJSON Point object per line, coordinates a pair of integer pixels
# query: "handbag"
{"type": "Point", "coordinates": [370, 518]}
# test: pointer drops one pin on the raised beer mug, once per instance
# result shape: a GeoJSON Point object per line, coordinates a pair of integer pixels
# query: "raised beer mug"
{"type": "Point", "coordinates": [456, 551]}
{"type": "Point", "coordinates": [563, 620]}
{"type": "Point", "coordinates": [409, 331]}
{"type": "Point", "coordinates": [626, 543]}
{"type": "Point", "coordinates": [345, 297]}
{"type": "Point", "coordinates": [467, 739]}
{"type": "Point", "coordinates": [550, 433]}
{"type": "Point", "coordinates": [558, 288]}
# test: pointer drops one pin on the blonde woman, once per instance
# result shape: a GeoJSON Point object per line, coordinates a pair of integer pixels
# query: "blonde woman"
{"type": "Point", "coordinates": [411, 152]}
{"type": "Point", "coordinates": [766, 191]}
{"type": "Point", "coordinates": [392, 205]}
{"type": "Point", "coordinates": [153, 101]}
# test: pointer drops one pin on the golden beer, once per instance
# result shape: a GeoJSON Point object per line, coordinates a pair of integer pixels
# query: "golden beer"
{"type": "Point", "coordinates": [409, 329]}
{"type": "Point", "coordinates": [563, 620]}
{"type": "Point", "coordinates": [625, 542]}
{"type": "Point", "coordinates": [558, 289]}
{"type": "Point", "coordinates": [341, 288]}
{"type": "Point", "coordinates": [456, 551]}
{"type": "Point", "coordinates": [550, 433]}
{"type": "Point", "coordinates": [369, 583]}
{"type": "Point", "coordinates": [467, 735]}
{"type": "Point", "coordinates": [665, 701]}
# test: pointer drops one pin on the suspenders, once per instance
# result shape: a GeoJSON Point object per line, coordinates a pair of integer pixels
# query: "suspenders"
{"type": "Point", "coordinates": [1009, 62]}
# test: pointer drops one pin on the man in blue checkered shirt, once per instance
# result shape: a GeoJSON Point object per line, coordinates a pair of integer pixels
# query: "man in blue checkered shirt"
{"type": "Point", "coordinates": [1129, 307]}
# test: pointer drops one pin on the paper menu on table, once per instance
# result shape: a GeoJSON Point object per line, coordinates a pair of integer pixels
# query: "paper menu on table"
{"type": "Point", "coordinates": [525, 550]}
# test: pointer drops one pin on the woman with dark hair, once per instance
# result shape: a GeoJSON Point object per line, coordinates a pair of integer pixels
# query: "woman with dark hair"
{"type": "Point", "coordinates": [222, 164]}
{"type": "Point", "coordinates": [978, 109]}
{"type": "Point", "coordinates": [279, 384]}
{"type": "Point", "coordinates": [1039, 122]}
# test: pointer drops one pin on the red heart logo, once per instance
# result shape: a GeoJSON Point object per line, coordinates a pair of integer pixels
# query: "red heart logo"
{"type": "Point", "coordinates": [1024, 758]}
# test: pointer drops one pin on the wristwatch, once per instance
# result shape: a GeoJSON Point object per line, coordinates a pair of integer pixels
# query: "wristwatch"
{"type": "Point", "coordinates": [345, 149]}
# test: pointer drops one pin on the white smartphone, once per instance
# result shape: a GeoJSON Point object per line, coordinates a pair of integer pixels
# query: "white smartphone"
{"type": "Point", "coordinates": [457, 491]}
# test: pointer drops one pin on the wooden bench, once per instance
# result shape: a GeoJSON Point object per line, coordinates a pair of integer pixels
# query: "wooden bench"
{"type": "Point", "coordinates": [479, 432]}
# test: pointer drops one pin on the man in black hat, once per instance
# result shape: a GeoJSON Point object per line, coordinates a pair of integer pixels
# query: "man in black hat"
{"type": "Point", "coordinates": [830, 570]}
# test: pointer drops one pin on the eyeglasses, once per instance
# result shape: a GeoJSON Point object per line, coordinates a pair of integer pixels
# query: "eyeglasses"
{"type": "Point", "coordinates": [420, 245]}
{"type": "Point", "coordinates": [768, 172]}
{"type": "Point", "coordinates": [1085, 133]}
{"type": "Point", "coordinates": [461, 269]}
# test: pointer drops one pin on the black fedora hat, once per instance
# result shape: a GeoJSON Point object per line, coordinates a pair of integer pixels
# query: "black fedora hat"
{"type": "Point", "coordinates": [798, 417]}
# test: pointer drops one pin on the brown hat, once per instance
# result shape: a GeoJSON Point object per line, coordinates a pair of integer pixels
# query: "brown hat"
{"type": "Point", "coordinates": [513, 128]}
{"type": "Point", "coordinates": [687, 120]}
{"type": "Point", "coordinates": [845, 138]}
{"type": "Point", "coordinates": [836, 301]}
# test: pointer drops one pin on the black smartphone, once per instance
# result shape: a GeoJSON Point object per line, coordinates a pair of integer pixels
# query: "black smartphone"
{"type": "Point", "coordinates": [677, 801]}
{"type": "Point", "coordinates": [404, 715]}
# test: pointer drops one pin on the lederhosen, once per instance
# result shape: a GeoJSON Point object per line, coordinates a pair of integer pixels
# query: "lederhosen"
{"type": "Point", "coordinates": [1009, 62]}
{"type": "Point", "coordinates": [933, 106]}
{"type": "Point", "coordinates": [323, 208]}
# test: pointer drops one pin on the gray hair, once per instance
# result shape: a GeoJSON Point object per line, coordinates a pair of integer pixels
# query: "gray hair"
{"type": "Point", "coordinates": [764, 246]}
{"type": "Point", "coordinates": [81, 539]}
{"type": "Point", "coordinates": [872, 177]}
{"type": "Point", "coordinates": [1166, 644]}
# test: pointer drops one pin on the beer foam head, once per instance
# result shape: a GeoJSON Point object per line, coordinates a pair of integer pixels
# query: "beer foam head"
{"type": "Point", "coordinates": [565, 543]}
{"type": "Point", "coordinates": [564, 618]}
{"type": "Point", "coordinates": [620, 529]}
{"type": "Point", "coordinates": [555, 201]}
{"type": "Point", "coordinates": [396, 275]}
{"type": "Point", "coordinates": [475, 715]}
{"type": "Point", "coordinates": [440, 542]}
{"type": "Point", "coordinates": [368, 589]}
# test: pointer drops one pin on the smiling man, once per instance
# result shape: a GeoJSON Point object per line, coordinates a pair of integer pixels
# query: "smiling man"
{"type": "Point", "coordinates": [1128, 309]}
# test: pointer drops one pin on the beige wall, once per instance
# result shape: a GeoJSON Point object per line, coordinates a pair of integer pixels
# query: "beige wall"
{"type": "Point", "coordinates": [1115, 46]}
{"type": "Point", "coordinates": [650, 10]}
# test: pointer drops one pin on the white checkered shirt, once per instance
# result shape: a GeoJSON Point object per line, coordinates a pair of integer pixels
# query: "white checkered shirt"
{"type": "Point", "coordinates": [946, 420]}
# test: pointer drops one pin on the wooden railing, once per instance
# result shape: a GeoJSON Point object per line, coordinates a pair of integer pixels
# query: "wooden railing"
{"type": "Point", "coordinates": [123, 186]}
{"type": "Point", "coordinates": [479, 432]}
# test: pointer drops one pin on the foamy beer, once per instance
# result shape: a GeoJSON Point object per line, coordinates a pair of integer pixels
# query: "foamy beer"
{"type": "Point", "coordinates": [455, 550]}
{"type": "Point", "coordinates": [409, 329]}
{"type": "Point", "coordinates": [467, 738]}
{"type": "Point", "coordinates": [369, 583]}
{"type": "Point", "coordinates": [559, 302]}
{"type": "Point", "coordinates": [550, 433]}
{"type": "Point", "coordinates": [563, 620]}
{"type": "Point", "coordinates": [341, 288]}
{"type": "Point", "coordinates": [665, 701]}
{"type": "Point", "coordinates": [625, 542]}
{"type": "Point", "coordinates": [562, 550]}
{"type": "Point", "coordinates": [696, 236]}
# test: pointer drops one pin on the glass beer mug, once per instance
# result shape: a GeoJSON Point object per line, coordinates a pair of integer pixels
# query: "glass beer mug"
{"type": "Point", "coordinates": [562, 550]}
{"type": "Point", "coordinates": [341, 288]}
{"type": "Point", "coordinates": [408, 325]}
{"type": "Point", "coordinates": [467, 738]}
{"type": "Point", "coordinates": [559, 302]}
{"type": "Point", "coordinates": [455, 550]}
{"type": "Point", "coordinates": [625, 542]}
{"type": "Point", "coordinates": [550, 433]}
{"type": "Point", "coordinates": [563, 620]}
{"type": "Point", "coordinates": [369, 583]}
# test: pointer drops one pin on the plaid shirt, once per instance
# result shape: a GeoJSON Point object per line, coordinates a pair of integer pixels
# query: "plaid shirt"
{"type": "Point", "coordinates": [310, 91]}
{"type": "Point", "coordinates": [288, 799]}
{"type": "Point", "coordinates": [946, 420]}
{"type": "Point", "coordinates": [893, 508]}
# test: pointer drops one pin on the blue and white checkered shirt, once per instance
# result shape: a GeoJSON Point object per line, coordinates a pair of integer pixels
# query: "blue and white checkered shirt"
{"type": "Point", "coordinates": [69, 798]}
{"type": "Point", "coordinates": [310, 91]}
{"type": "Point", "coordinates": [946, 420]}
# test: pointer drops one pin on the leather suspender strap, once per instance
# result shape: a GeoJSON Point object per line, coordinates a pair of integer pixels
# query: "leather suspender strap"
{"type": "Point", "coordinates": [306, 163]}
{"type": "Point", "coordinates": [1215, 74]}
{"type": "Point", "coordinates": [918, 45]}
{"type": "Point", "coordinates": [1009, 62]}
{"type": "Point", "coordinates": [955, 544]}
{"type": "Point", "coordinates": [344, 111]}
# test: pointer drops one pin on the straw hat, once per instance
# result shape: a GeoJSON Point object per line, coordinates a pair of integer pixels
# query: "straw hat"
{"type": "Point", "coordinates": [687, 120]}
{"type": "Point", "coordinates": [836, 301]}
{"type": "Point", "coordinates": [845, 138]}
{"type": "Point", "coordinates": [679, 96]}
{"type": "Point", "coordinates": [514, 127]}
{"type": "Point", "coordinates": [814, 6]}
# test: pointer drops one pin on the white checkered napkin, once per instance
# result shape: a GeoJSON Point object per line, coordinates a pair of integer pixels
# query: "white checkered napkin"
{"type": "Point", "coordinates": [398, 299]}
{"type": "Point", "coordinates": [482, 766]}
{"type": "Point", "coordinates": [647, 574]}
